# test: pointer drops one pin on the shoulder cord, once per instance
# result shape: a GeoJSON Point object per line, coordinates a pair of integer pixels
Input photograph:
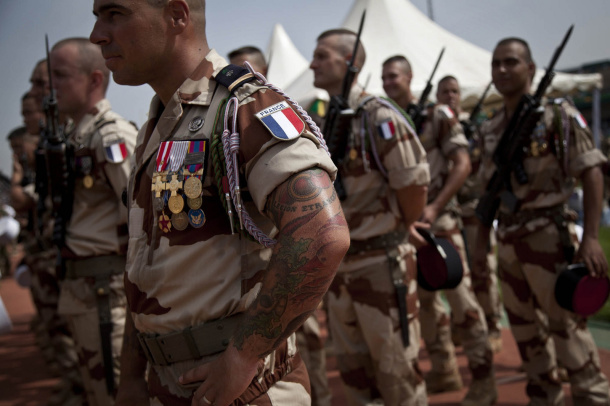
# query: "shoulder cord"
{"type": "Point", "coordinates": [363, 127]}
{"type": "Point", "coordinates": [230, 142]}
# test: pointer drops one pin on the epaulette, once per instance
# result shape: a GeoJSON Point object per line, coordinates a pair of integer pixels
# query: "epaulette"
{"type": "Point", "coordinates": [232, 77]}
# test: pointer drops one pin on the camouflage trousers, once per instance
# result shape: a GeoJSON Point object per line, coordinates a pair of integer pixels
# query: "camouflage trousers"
{"type": "Point", "coordinates": [78, 305]}
{"type": "Point", "coordinates": [56, 339]}
{"type": "Point", "coordinates": [364, 324]}
{"type": "Point", "coordinates": [311, 348]}
{"type": "Point", "coordinates": [529, 263]}
{"type": "Point", "coordinates": [469, 322]}
{"type": "Point", "coordinates": [485, 284]}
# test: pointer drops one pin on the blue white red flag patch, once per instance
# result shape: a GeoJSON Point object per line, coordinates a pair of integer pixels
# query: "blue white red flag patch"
{"type": "Point", "coordinates": [116, 153]}
{"type": "Point", "coordinates": [446, 111]}
{"type": "Point", "coordinates": [387, 129]}
{"type": "Point", "coordinates": [283, 123]}
{"type": "Point", "coordinates": [580, 120]}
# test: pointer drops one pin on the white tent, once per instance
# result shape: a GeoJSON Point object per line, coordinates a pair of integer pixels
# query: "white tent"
{"type": "Point", "coordinates": [395, 27]}
{"type": "Point", "coordinates": [284, 59]}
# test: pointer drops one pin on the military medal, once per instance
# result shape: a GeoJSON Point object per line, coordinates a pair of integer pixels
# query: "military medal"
{"type": "Point", "coordinates": [196, 218]}
{"type": "Point", "coordinates": [164, 223]}
{"type": "Point", "coordinates": [180, 221]}
{"type": "Point", "coordinates": [192, 187]}
{"type": "Point", "coordinates": [194, 203]}
{"type": "Point", "coordinates": [175, 204]}
{"type": "Point", "coordinates": [88, 181]}
{"type": "Point", "coordinates": [174, 185]}
{"type": "Point", "coordinates": [353, 154]}
{"type": "Point", "coordinates": [85, 164]}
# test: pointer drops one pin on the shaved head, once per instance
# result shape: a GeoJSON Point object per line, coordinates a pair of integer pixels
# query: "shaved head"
{"type": "Point", "coordinates": [344, 43]}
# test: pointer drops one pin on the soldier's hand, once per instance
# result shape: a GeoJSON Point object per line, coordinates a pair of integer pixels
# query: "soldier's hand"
{"type": "Point", "coordinates": [592, 254]}
{"type": "Point", "coordinates": [429, 214]}
{"type": "Point", "coordinates": [223, 380]}
{"type": "Point", "coordinates": [416, 238]}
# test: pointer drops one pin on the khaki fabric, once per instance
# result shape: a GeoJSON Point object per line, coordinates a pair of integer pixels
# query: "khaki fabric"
{"type": "Point", "coordinates": [185, 278]}
{"type": "Point", "coordinates": [362, 307]}
{"type": "Point", "coordinates": [530, 256]}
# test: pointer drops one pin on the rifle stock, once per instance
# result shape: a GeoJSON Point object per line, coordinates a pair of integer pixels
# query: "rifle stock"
{"type": "Point", "coordinates": [509, 153]}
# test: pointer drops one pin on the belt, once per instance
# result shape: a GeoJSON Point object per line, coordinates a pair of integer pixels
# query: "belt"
{"type": "Point", "coordinates": [381, 242]}
{"type": "Point", "coordinates": [95, 266]}
{"type": "Point", "coordinates": [190, 343]}
{"type": "Point", "coordinates": [525, 216]}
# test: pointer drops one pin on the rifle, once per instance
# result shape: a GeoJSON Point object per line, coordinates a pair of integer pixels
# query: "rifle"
{"type": "Point", "coordinates": [336, 122]}
{"type": "Point", "coordinates": [59, 157]}
{"type": "Point", "coordinates": [416, 111]}
{"type": "Point", "coordinates": [509, 154]}
{"type": "Point", "coordinates": [470, 125]}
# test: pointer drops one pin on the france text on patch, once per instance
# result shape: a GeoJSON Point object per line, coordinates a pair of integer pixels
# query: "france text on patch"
{"type": "Point", "coordinates": [283, 123]}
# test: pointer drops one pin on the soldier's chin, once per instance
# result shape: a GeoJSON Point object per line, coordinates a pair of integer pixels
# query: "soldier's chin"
{"type": "Point", "coordinates": [126, 80]}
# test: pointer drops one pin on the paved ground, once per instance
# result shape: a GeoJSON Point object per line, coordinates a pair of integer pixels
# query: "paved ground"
{"type": "Point", "coordinates": [25, 381]}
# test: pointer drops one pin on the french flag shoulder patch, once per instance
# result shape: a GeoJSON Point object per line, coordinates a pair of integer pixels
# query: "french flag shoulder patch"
{"type": "Point", "coordinates": [282, 121]}
{"type": "Point", "coordinates": [446, 110]}
{"type": "Point", "coordinates": [580, 120]}
{"type": "Point", "coordinates": [386, 129]}
{"type": "Point", "coordinates": [116, 152]}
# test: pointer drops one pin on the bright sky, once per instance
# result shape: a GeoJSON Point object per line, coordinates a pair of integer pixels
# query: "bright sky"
{"type": "Point", "coordinates": [24, 23]}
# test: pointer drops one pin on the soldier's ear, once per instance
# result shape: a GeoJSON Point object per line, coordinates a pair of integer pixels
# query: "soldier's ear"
{"type": "Point", "coordinates": [97, 79]}
{"type": "Point", "coordinates": [179, 12]}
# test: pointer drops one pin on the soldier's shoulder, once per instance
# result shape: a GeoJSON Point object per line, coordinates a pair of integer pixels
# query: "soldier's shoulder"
{"type": "Point", "coordinates": [115, 134]}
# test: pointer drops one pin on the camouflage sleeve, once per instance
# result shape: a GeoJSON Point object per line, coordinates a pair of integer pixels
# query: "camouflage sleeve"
{"type": "Point", "coordinates": [269, 161]}
{"type": "Point", "coordinates": [582, 152]}
{"type": "Point", "coordinates": [400, 151]}
{"type": "Point", "coordinates": [115, 149]}
{"type": "Point", "coordinates": [451, 134]}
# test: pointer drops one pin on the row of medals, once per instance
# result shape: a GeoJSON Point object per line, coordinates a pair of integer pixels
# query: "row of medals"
{"type": "Point", "coordinates": [174, 185]}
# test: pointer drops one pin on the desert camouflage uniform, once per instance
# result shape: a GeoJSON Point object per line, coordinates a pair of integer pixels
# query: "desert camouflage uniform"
{"type": "Point", "coordinates": [312, 350]}
{"type": "Point", "coordinates": [96, 243]}
{"type": "Point", "coordinates": [441, 136]}
{"type": "Point", "coordinates": [362, 308]}
{"type": "Point", "coordinates": [190, 278]}
{"type": "Point", "coordinates": [485, 285]}
{"type": "Point", "coordinates": [531, 254]}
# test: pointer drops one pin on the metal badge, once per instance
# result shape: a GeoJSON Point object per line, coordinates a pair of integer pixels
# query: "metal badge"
{"type": "Point", "coordinates": [180, 221]}
{"type": "Point", "coordinates": [192, 187]}
{"type": "Point", "coordinates": [196, 218]}
{"type": "Point", "coordinates": [194, 203]}
{"type": "Point", "coordinates": [164, 223]}
{"type": "Point", "coordinates": [196, 124]}
{"type": "Point", "coordinates": [88, 181]}
{"type": "Point", "coordinates": [176, 204]}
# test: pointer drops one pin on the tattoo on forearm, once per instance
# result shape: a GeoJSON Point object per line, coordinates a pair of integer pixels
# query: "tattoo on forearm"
{"type": "Point", "coordinates": [297, 259]}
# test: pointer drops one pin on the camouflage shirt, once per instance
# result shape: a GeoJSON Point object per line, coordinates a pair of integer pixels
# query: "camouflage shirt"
{"type": "Point", "coordinates": [371, 207]}
{"type": "Point", "coordinates": [557, 152]}
{"type": "Point", "coordinates": [177, 279]}
{"type": "Point", "coordinates": [98, 225]}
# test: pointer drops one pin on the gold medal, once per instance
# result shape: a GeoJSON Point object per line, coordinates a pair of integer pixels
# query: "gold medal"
{"type": "Point", "coordinates": [534, 148]}
{"type": "Point", "coordinates": [180, 221]}
{"type": "Point", "coordinates": [174, 185]}
{"type": "Point", "coordinates": [164, 223]}
{"type": "Point", "coordinates": [175, 204]}
{"type": "Point", "coordinates": [194, 203]}
{"type": "Point", "coordinates": [88, 181]}
{"type": "Point", "coordinates": [192, 187]}
{"type": "Point", "coordinates": [353, 154]}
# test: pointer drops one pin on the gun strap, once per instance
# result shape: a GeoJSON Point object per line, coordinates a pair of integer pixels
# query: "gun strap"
{"type": "Point", "coordinates": [400, 289]}
{"type": "Point", "coordinates": [101, 268]}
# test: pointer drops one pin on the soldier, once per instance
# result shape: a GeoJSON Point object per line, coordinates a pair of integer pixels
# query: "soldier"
{"type": "Point", "coordinates": [197, 281]}
{"type": "Point", "coordinates": [385, 176]}
{"type": "Point", "coordinates": [535, 243]}
{"type": "Point", "coordinates": [485, 285]}
{"type": "Point", "coordinates": [252, 55]}
{"type": "Point", "coordinates": [446, 147]}
{"type": "Point", "coordinates": [92, 294]}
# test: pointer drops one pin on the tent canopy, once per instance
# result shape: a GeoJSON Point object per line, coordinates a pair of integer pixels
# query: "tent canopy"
{"type": "Point", "coordinates": [397, 27]}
